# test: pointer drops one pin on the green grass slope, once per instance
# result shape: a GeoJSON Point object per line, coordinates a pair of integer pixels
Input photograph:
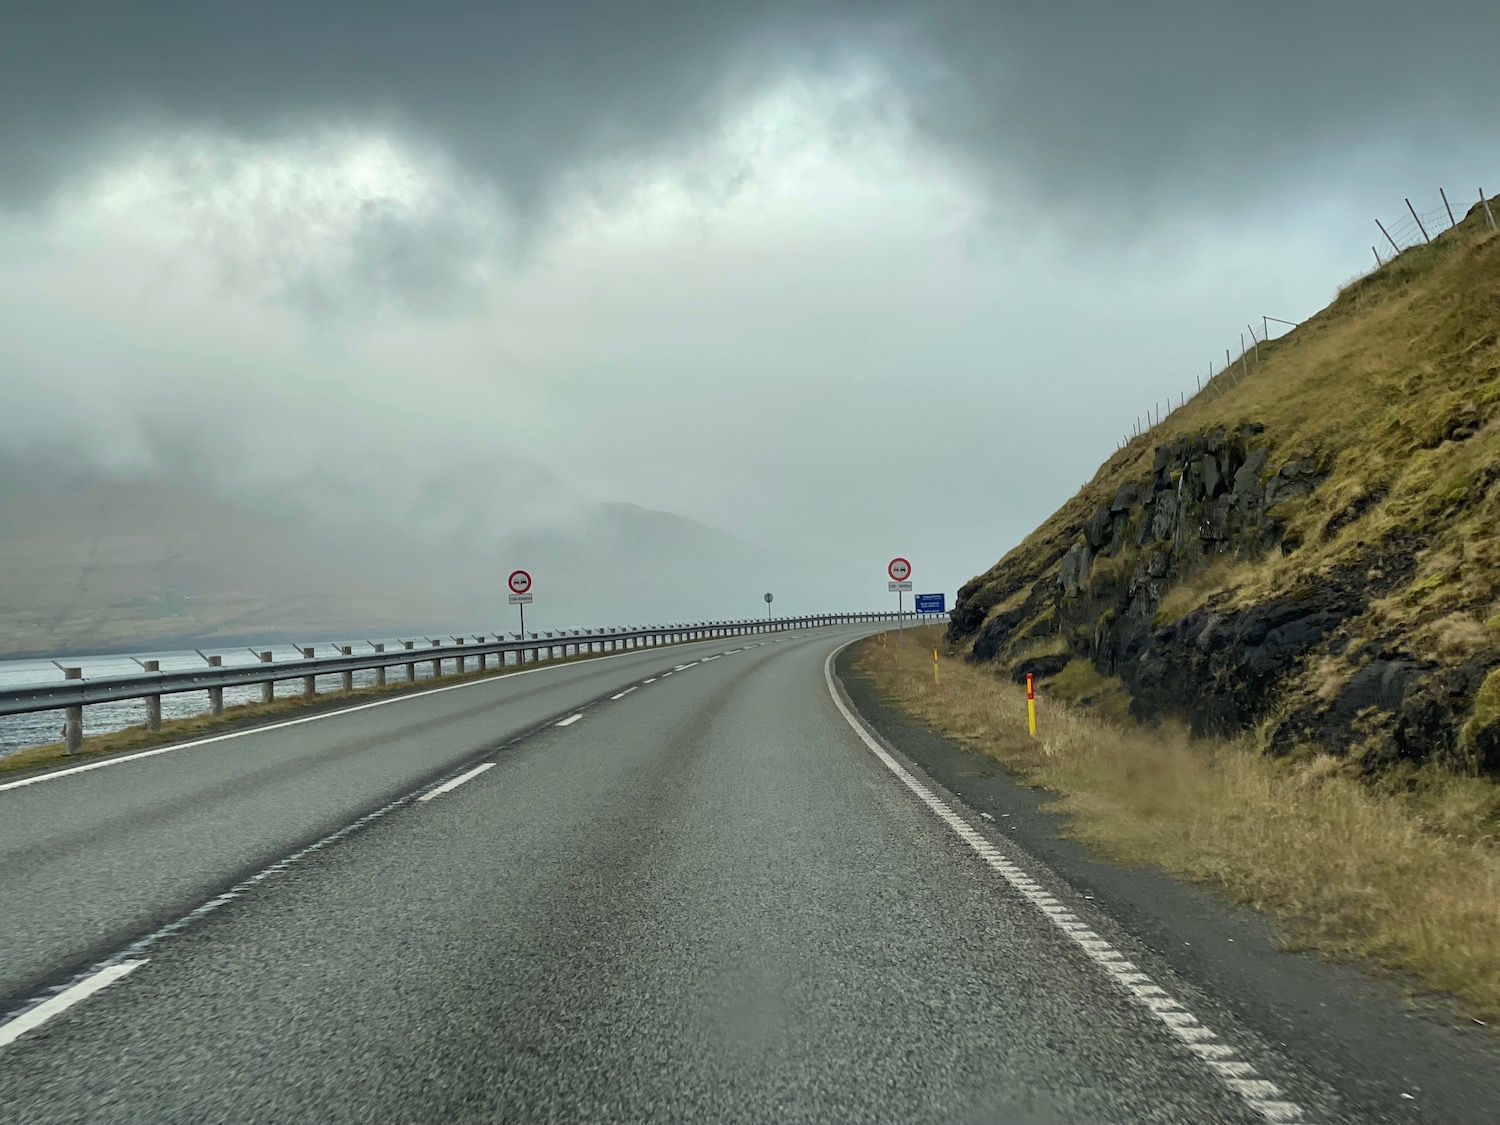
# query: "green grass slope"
{"type": "Point", "coordinates": [1382, 409]}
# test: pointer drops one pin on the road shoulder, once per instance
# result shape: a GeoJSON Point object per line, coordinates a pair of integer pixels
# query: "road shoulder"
{"type": "Point", "coordinates": [1391, 1055]}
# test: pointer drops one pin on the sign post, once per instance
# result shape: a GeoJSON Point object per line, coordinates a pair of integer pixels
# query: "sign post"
{"type": "Point", "coordinates": [520, 596]}
{"type": "Point", "coordinates": [900, 572]}
{"type": "Point", "coordinates": [769, 599]}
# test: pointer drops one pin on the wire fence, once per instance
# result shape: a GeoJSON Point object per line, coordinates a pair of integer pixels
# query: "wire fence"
{"type": "Point", "coordinates": [1415, 228]}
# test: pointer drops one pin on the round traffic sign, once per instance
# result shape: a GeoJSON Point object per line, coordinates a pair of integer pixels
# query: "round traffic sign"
{"type": "Point", "coordinates": [768, 599]}
{"type": "Point", "coordinates": [519, 582]}
{"type": "Point", "coordinates": [899, 570]}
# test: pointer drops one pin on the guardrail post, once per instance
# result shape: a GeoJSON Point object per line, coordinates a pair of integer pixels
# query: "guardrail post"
{"type": "Point", "coordinates": [309, 683]}
{"type": "Point", "coordinates": [215, 694]}
{"type": "Point", "coordinates": [348, 677]}
{"type": "Point", "coordinates": [411, 669]}
{"type": "Point", "coordinates": [459, 661]}
{"type": "Point", "coordinates": [267, 689]}
{"type": "Point", "coordinates": [379, 672]}
{"type": "Point", "coordinates": [437, 664]}
{"type": "Point", "coordinates": [73, 718]}
{"type": "Point", "coordinates": [153, 702]}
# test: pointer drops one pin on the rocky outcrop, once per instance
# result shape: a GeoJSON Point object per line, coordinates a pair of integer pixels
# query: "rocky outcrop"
{"type": "Point", "coordinates": [1225, 666]}
{"type": "Point", "coordinates": [1221, 670]}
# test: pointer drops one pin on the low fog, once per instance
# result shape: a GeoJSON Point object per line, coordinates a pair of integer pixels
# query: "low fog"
{"type": "Point", "coordinates": [670, 306]}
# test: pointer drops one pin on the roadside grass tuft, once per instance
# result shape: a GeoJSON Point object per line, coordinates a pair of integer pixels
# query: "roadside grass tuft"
{"type": "Point", "coordinates": [1403, 873]}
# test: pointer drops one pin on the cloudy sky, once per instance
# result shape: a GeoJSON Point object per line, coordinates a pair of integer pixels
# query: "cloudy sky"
{"type": "Point", "coordinates": [853, 278]}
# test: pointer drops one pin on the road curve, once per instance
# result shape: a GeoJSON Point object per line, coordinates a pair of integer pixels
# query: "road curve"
{"type": "Point", "coordinates": [706, 898]}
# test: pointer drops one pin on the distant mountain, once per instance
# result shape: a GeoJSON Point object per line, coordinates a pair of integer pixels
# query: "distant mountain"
{"type": "Point", "coordinates": [88, 563]}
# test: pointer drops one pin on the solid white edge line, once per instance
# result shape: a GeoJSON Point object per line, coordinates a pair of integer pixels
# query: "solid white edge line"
{"type": "Point", "coordinates": [407, 697]}
{"type": "Point", "coordinates": [449, 786]}
{"type": "Point", "coordinates": [34, 1017]}
{"type": "Point", "coordinates": [570, 720]}
{"type": "Point", "coordinates": [626, 692]}
{"type": "Point", "coordinates": [1219, 1058]}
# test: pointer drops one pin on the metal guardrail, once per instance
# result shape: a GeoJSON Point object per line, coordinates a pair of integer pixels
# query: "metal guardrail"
{"type": "Point", "coordinates": [74, 692]}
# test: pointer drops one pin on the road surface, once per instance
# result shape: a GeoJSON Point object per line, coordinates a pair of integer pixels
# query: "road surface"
{"type": "Point", "coordinates": [678, 886]}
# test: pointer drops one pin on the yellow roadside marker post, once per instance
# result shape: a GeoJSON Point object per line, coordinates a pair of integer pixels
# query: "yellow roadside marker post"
{"type": "Point", "coordinates": [934, 666]}
{"type": "Point", "coordinates": [1030, 705]}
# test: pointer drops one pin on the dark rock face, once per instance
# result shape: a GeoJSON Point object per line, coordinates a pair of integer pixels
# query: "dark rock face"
{"type": "Point", "coordinates": [1225, 670]}
{"type": "Point", "coordinates": [1207, 496]}
{"type": "Point", "coordinates": [994, 636]}
{"type": "Point", "coordinates": [1221, 671]}
{"type": "Point", "coordinates": [1429, 714]}
{"type": "Point", "coordinates": [966, 617]}
{"type": "Point", "coordinates": [1040, 666]}
{"type": "Point", "coordinates": [1075, 569]}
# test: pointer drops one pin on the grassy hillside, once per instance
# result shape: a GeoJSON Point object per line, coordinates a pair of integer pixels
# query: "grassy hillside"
{"type": "Point", "coordinates": [1311, 551]}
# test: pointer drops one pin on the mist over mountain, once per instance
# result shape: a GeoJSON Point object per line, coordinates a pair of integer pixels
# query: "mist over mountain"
{"type": "Point", "coordinates": [93, 561]}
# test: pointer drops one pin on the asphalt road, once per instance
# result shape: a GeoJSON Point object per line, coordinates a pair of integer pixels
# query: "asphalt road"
{"type": "Point", "coordinates": [709, 899]}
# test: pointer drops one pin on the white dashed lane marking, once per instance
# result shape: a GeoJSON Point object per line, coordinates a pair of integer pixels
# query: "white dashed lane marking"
{"type": "Point", "coordinates": [624, 693]}
{"type": "Point", "coordinates": [449, 786]}
{"type": "Point", "coordinates": [35, 1017]}
{"type": "Point", "coordinates": [1221, 1059]}
{"type": "Point", "coordinates": [570, 720]}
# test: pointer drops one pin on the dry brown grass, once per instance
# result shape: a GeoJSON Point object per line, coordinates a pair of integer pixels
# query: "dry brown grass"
{"type": "Point", "coordinates": [1405, 876]}
{"type": "Point", "coordinates": [243, 714]}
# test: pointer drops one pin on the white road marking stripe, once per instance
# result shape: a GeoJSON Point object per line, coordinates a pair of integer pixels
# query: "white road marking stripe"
{"type": "Point", "coordinates": [449, 786]}
{"type": "Point", "coordinates": [1234, 1074]}
{"type": "Point", "coordinates": [34, 1017]}
{"type": "Point", "coordinates": [133, 954]}
{"type": "Point", "coordinates": [570, 720]}
{"type": "Point", "coordinates": [652, 680]}
{"type": "Point", "coordinates": [421, 693]}
{"type": "Point", "coordinates": [664, 675]}
{"type": "Point", "coordinates": [624, 693]}
{"type": "Point", "coordinates": [680, 667]}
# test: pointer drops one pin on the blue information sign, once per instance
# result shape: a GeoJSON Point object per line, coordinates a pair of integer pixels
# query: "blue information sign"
{"type": "Point", "coordinates": [932, 603]}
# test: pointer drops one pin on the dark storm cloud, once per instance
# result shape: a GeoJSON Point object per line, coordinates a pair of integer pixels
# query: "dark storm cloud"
{"type": "Point", "coordinates": [1081, 97]}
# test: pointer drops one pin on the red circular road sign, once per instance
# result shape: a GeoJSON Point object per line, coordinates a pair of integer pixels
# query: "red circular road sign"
{"type": "Point", "coordinates": [899, 570]}
{"type": "Point", "coordinates": [519, 582]}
